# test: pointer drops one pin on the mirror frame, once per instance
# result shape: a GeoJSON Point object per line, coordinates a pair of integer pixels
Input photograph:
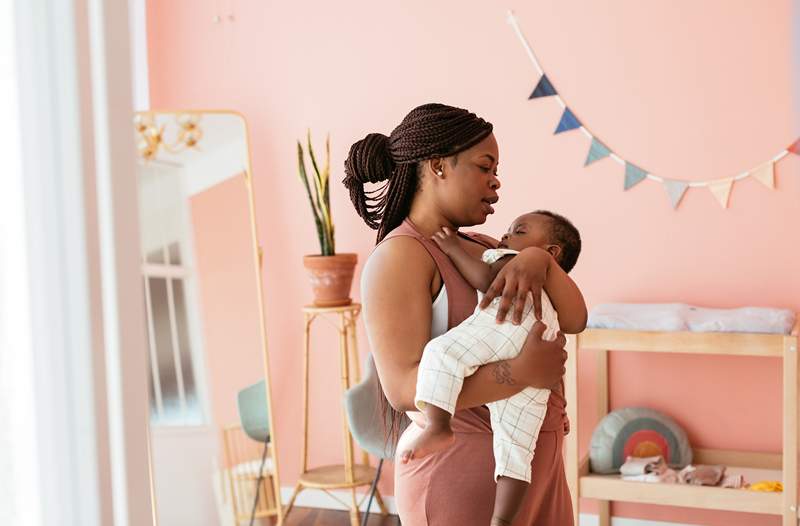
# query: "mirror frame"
{"type": "Point", "coordinates": [258, 264]}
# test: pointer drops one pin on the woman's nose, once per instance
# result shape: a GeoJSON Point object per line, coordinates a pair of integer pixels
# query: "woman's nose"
{"type": "Point", "coordinates": [494, 183]}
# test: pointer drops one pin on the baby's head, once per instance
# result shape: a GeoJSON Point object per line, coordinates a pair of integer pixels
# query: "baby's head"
{"type": "Point", "coordinates": [547, 230]}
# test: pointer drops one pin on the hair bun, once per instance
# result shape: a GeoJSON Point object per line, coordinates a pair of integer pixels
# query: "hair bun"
{"type": "Point", "coordinates": [369, 160]}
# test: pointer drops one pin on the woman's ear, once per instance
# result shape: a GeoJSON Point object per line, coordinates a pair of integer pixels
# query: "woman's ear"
{"type": "Point", "coordinates": [554, 251]}
{"type": "Point", "coordinates": [436, 166]}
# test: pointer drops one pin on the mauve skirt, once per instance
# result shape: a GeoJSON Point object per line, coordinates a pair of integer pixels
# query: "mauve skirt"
{"type": "Point", "coordinates": [456, 487]}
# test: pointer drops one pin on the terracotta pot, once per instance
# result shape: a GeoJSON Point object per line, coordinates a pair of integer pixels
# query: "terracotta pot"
{"type": "Point", "coordinates": [331, 278]}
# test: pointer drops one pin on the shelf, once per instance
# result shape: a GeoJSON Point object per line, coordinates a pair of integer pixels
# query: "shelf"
{"type": "Point", "coordinates": [731, 343]}
{"type": "Point", "coordinates": [753, 466]}
{"type": "Point", "coordinates": [612, 487]}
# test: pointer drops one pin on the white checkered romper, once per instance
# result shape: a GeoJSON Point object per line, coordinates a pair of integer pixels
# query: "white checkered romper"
{"type": "Point", "coordinates": [479, 340]}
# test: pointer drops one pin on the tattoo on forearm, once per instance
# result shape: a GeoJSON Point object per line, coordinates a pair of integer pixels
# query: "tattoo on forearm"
{"type": "Point", "coordinates": [502, 373]}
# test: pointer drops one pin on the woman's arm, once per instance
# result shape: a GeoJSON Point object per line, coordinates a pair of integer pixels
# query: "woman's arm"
{"type": "Point", "coordinates": [530, 271]}
{"type": "Point", "coordinates": [396, 292]}
{"type": "Point", "coordinates": [540, 364]}
{"type": "Point", "coordinates": [477, 273]}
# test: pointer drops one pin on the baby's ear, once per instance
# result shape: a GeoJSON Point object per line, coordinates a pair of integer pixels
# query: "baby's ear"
{"type": "Point", "coordinates": [554, 251]}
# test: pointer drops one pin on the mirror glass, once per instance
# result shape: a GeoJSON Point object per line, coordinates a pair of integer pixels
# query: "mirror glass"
{"type": "Point", "coordinates": [200, 274]}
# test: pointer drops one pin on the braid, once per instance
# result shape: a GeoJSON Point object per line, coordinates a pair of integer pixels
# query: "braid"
{"type": "Point", "coordinates": [428, 131]}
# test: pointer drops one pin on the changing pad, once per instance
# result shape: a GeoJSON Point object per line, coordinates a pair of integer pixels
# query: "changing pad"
{"type": "Point", "coordinates": [683, 317]}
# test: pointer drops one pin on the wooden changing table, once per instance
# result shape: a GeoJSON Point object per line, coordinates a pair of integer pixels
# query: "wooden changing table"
{"type": "Point", "coordinates": [607, 488]}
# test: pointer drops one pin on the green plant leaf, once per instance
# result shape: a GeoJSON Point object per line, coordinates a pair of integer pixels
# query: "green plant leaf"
{"type": "Point", "coordinates": [322, 188]}
{"type": "Point", "coordinates": [321, 230]}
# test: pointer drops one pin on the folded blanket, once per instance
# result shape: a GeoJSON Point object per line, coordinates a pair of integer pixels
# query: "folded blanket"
{"type": "Point", "coordinates": [647, 469]}
{"type": "Point", "coordinates": [640, 316]}
{"type": "Point", "coordinates": [746, 319]}
{"type": "Point", "coordinates": [642, 465]}
{"type": "Point", "coordinates": [683, 317]}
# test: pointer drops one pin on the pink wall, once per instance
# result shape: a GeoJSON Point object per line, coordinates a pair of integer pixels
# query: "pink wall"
{"type": "Point", "coordinates": [691, 90]}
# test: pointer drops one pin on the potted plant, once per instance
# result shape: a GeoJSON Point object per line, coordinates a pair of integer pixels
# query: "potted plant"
{"type": "Point", "coordinates": [331, 273]}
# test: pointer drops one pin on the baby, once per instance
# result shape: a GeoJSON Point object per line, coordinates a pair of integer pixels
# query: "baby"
{"type": "Point", "coordinates": [479, 340]}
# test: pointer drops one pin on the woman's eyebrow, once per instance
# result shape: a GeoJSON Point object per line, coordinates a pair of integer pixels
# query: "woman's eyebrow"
{"type": "Point", "coordinates": [491, 158]}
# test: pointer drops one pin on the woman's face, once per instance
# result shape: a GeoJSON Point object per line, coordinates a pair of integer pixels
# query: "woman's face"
{"type": "Point", "coordinates": [468, 186]}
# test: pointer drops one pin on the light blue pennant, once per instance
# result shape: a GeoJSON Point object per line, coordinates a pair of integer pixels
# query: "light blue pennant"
{"type": "Point", "coordinates": [675, 190]}
{"type": "Point", "coordinates": [597, 151]}
{"type": "Point", "coordinates": [633, 175]}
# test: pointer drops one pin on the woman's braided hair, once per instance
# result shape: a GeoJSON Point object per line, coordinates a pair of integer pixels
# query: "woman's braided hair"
{"type": "Point", "coordinates": [427, 132]}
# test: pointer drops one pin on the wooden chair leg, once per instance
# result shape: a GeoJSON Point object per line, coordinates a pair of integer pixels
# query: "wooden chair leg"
{"type": "Point", "coordinates": [289, 505]}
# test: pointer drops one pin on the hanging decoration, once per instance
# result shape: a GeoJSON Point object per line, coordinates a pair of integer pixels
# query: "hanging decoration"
{"type": "Point", "coordinates": [675, 188]}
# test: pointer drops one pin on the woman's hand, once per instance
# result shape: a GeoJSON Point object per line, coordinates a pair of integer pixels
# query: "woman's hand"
{"type": "Point", "coordinates": [541, 361]}
{"type": "Point", "coordinates": [526, 272]}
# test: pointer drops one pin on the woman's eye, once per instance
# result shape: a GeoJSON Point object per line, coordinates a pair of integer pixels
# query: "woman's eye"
{"type": "Point", "coordinates": [486, 169]}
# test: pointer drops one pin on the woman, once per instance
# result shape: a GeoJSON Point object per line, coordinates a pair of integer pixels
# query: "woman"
{"type": "Point", "coordinates": [439, 168]}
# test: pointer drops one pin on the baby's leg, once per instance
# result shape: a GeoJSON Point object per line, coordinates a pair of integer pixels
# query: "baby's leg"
{"type": "Point", "coordinates": [446, 361]}
{"type": "Point", "coordinates": [516, 423]}
{"type": "Point", "coordinates": [436, 436]}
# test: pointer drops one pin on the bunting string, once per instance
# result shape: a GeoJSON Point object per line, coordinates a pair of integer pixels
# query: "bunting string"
{"type": "Point", "coordinates": [675, 188]}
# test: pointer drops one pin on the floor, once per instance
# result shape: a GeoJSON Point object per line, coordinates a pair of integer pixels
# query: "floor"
{"type": "Point", "coordinates": [317, 517]}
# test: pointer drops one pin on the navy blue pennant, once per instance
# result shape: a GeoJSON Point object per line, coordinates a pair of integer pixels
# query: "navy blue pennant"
{"type": "Point", "coordinates": [543, 89]}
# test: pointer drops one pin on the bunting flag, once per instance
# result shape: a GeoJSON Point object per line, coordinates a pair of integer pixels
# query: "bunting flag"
{"type": "Point", "coordinates": [633, 175]}
{"type": "Point", "coordinates": [543, 89]}
{"type": "Point", "coordinates": [721, 190]}
{"type": "Point", "coordinates": [597, 151]}
{"type": "Point", "coordinates": [765, 174]}
{"type": "Point", "coordinates": [676, 188]}
{"type": "Point", "coordinates": [568, 122]}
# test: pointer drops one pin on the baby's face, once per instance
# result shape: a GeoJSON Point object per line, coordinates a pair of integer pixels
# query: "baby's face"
{"type": "Point", "coordinates": [528, 230]}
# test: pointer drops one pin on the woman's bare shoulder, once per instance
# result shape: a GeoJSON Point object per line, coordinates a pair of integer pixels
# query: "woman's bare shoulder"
{"type": "Point", "coordinates": [400, 258]}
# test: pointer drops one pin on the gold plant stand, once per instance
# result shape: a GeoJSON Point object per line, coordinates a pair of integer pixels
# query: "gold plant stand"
{"type": "Point", "coordinates": [340, 476]}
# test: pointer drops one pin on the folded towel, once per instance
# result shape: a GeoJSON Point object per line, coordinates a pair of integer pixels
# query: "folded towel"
{"type": "Point", "coordinates": [668, 476]}
{"type": "Point", "coordinates": [643, 465]}
{"type": "Point", "coordinates": [683, 317]}
{"type": "Point", "coordinates": [640, 316]}
{"type": "Point", "coordinates": [647, 469]}
{"type": "Point", "coordinates": [747, 319]}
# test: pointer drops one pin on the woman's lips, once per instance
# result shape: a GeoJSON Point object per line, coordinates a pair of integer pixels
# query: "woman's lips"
{"type": "Point", "coordinates": [487, 205]}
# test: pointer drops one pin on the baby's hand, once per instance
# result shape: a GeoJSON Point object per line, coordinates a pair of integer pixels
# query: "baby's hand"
{"type": "Point", "coordinates": [447, 240]}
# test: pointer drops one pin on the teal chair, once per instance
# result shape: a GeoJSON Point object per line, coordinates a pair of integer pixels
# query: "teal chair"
{"type": "Point", "coordinates": [253, 411]}
{"type": "Point", "coordinates": [368, 423]}
{"type": "Point", "coordinates": [254, 417]}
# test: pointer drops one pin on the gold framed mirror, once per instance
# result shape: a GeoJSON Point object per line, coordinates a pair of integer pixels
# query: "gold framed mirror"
{"type": "Point", "coordinates": [213, 452]}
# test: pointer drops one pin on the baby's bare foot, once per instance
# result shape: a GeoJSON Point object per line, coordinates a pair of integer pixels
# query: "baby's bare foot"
{"type": "Point", "coordinates": [432, 440]}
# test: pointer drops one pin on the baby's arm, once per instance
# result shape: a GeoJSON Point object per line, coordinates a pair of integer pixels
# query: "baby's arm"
{"type": "Point", "coordinates": [477, 273]}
